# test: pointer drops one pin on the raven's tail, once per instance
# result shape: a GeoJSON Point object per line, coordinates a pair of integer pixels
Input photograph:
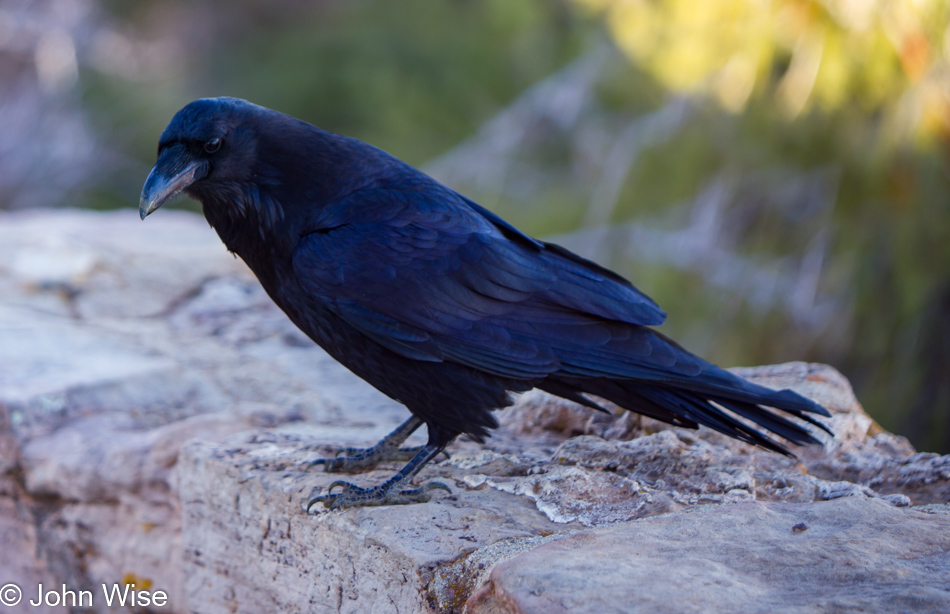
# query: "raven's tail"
{"type": "Point", "coordinates": [714, 398]}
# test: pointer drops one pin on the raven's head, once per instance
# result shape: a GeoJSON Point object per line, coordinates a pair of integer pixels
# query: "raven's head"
{"type": "Point", "coordinates": [208, 148]}
{"type": "Point", "coordinates": [257, 173]}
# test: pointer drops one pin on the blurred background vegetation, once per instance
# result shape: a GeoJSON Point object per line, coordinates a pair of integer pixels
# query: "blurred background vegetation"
{"type": "Point", "coordinates": [773, 172]}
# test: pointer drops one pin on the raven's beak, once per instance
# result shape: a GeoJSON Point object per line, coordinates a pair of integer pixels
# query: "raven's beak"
{"type": "Point", "coordinates": [174, 171]}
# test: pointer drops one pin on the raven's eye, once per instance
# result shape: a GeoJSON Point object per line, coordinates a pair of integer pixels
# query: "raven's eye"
{"type": "Point", "coordinates": [213, 145]}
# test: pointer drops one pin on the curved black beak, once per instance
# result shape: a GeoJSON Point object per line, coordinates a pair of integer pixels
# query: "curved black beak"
{"type": "Point", "coordinates": [174, 171]}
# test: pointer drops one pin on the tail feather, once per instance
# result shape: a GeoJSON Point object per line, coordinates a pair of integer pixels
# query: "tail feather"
{"type": "Point", "coordinates": [721, 383]}
{"type": "Point", "coordinates": [710, 402]}
{"type": "Point", "coordinates": [700, 410]}
{"type": "Point", "coordinates": [769, 420]}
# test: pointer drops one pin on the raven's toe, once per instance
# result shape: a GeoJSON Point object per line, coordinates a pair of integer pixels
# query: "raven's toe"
{"type": "Point", "coordinates": [355, 460]}
{"type": "Point", "coordinates": [351, 495]}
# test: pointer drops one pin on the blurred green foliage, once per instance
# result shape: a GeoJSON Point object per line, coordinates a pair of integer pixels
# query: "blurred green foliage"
{"type": "Point", "coordinates": [861, 87]}
{"type": "Point", "coordinates": [856, 90]}
{"type": "Point", "coordinates": [412, 77]}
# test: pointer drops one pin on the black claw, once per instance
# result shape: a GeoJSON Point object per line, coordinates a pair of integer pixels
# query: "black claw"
{"type": "Point", "coordinates": [437, 486]}
{"type": "Point", "coordinates": [353, 496]}
{"type": "Point", "coordinates": [312, 502]}
{"type": "Point", "coordinates": [396, 490]}
{"type": "Point", "coordinates": [343, 485]}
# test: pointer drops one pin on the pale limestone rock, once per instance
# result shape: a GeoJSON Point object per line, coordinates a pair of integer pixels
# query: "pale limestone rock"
{"type": "Point", "coordinates": [121, 341]}
{"type": "Point", "coordinates": [847, 555]}
{"type": "Point", "coordinates": [573, 482]}
{"type": "Point", "coordinates": [244, 522]}
{"type": "Point", "coordinates": [568, 494]}
{"type": "Point", "coordinates": [18, 527]}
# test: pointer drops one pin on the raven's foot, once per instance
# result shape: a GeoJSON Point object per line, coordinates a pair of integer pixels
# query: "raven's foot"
{"type": "Point", "coordinates": [392, 492]}
{"type": "Point", "coordinates": [351, 460]}
{"type": "Point", "coordinates": [361, 459]}
{"type": "Point", "coordinates": [397, 490]}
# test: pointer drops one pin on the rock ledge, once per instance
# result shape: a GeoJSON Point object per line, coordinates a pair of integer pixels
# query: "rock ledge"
{"type": "Point", "coordinates": [157, 413]}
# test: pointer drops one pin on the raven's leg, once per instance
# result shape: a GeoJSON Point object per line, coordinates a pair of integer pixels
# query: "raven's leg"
{"type": "Point", "coordinates": [360, 459]}
{"type": "Point", "coordinates": [394, 491]}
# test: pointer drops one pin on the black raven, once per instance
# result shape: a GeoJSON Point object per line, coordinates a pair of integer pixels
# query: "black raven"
{"type": "Point", "coordinates": [434, 300]}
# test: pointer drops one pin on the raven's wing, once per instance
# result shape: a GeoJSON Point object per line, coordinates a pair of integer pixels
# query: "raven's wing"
{"type": "Point", "coordinates": [434, 277]}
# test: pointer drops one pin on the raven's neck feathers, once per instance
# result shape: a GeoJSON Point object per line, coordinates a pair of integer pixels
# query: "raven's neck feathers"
{"type": "Point", "coordinates": [297, 169]}
{"type": "Point", "coordinates": [243, 214]}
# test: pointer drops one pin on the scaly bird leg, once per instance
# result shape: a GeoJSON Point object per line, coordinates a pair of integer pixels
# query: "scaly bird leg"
{"type": "Point", "coordinates": [350, 460]}
{"type": "Point", "coordinates": [394, 491]}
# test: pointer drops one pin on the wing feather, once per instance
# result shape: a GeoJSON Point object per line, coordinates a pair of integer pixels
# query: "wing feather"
{"type": "Point", "coordinates": [432, 277]}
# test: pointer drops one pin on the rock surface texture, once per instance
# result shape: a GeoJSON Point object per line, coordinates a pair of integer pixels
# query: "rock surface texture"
{"type": "Point", "coordinates": [157, 414]}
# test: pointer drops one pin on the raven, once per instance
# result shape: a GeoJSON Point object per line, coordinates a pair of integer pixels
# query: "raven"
{"type": "Point", "coordinates": [434, 300]}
